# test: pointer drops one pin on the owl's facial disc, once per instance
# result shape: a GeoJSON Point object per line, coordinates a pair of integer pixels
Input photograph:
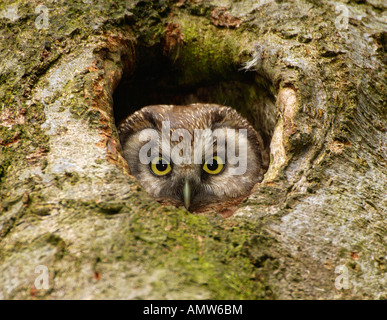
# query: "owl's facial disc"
{"type": "Point", "coordinates": [187, 183]}
{"type": "Point", "coordinates": [202, 134]}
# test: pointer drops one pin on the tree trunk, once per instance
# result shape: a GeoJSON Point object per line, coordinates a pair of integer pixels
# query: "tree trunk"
{"type": "Point", "coordinates": [309, 75]}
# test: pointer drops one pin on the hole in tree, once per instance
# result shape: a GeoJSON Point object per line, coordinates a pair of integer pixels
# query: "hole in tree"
{"type": "Point", "coordinates": [160, 80]}
{"type": "Point", "coordinates": [157, 79]}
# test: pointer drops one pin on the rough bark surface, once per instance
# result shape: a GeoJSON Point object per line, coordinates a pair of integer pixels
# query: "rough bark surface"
{"type": "Point", "coordinates": [69, 204]}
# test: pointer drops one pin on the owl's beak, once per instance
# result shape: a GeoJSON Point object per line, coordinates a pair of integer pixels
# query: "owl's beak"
{"type": "Point", "coordinates": [187, 194]}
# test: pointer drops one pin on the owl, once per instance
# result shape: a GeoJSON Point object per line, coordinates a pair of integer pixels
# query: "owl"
{"type": "Point", "coordinates": [198, 156]}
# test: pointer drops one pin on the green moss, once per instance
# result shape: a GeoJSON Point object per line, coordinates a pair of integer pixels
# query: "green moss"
{"type": "Point", "coordinates": [227, 258]}
{"type": "Point", "coordinates": [22, 139]}
{"type": "Point", "coordinates": [207, 52]}
{"type": "Point", "coordinates": [205, 252]}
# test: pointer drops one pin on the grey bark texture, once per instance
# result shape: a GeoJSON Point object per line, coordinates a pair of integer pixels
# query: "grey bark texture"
{"type": "Point", "coordinates": [75, 225]}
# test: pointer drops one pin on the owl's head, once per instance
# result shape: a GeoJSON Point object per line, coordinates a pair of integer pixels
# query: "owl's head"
{"type": "Point", "coordinates": [194, 155]}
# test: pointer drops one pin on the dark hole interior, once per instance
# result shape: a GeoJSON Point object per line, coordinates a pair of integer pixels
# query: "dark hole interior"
{"type": "Point", "coordinates": [156, 79]}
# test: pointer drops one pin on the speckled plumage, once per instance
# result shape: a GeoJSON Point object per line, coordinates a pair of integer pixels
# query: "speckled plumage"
{"type": "Point", "coordinates": [207, 189]}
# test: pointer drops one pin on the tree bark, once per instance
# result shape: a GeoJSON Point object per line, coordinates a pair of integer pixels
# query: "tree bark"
{"type": "Point", "coordinates": [75, 224]}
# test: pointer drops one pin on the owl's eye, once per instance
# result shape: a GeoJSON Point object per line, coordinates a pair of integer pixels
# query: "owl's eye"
{"type": "Point", "coordinates": [214, 165]}
{"type": "Point", "coordinates": [160, 166]}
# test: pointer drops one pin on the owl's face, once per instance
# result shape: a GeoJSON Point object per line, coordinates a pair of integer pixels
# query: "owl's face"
{"type": "Point", "coordinates": [194, 155]}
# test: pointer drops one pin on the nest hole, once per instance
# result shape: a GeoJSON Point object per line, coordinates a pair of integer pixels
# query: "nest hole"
{"type": "Point", "coordinates": [158, 79]}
